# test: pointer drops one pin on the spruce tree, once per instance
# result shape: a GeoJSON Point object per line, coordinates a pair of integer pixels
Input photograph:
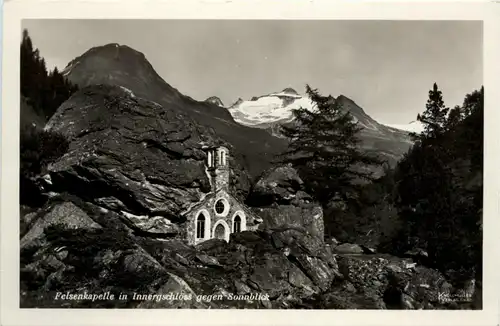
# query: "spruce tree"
{"type": "Point", "coordinates": [434, 117]}
{"type": "Point", "coordinates": [455, 116]}
{"type": "Point", "coordinates": [439, 191]}
{"type": "Point", "coordinates": [323, 148]}
{"type": "Point", "coordinates": [45, 91]}
{"type": "Point", "coordinates": [473, 102]}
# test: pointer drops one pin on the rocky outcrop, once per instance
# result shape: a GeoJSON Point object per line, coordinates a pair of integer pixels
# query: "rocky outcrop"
{"type": "Point", "coordinates": [279, 198]}
{"type": "Point", "coordinates": [66, 215]}
{"type": "Point", "coordinates": [348, 248]}
{"type": "Point", "coordinates": [96, 253]}
{"type": "Point", "coordinates": [280, 185]}
{"type": "Point", "coordinates": [130, 155]}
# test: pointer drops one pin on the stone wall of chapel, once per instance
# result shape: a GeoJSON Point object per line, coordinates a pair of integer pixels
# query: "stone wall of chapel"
{"type": "Point", "coordinates": [209, 206]}
{"type": "Point", "coordinates": [221, 177]}
{"type": "Point", "coordinates": [191, 228]}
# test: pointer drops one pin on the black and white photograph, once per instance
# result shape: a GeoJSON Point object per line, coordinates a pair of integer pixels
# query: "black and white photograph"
{"type": "Point", "coordinates": [251, 164]}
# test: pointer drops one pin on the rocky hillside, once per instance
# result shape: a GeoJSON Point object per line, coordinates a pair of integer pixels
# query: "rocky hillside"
{"type": "Point", "coordinates": [70, 246]}
{"type": "Point", "coordinates": [272, 110]}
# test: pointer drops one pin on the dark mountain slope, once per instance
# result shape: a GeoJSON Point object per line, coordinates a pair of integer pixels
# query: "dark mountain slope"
{"type": "Point", "coordinates": [389, 142]}
{"type": "Point", "coordinates": [121, 65]}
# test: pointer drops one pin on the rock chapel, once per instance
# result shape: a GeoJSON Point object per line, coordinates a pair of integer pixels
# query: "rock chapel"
{"type": "Point", "coordinates": [219, 213]}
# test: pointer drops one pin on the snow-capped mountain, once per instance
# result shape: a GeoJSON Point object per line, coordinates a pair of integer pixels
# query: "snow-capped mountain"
{"type": "Point", "coordinates": [215, 100]}
{"type": "Point", "coordinates": [269, 109]}
{"type": "Point", "coordinates": [274, 109]}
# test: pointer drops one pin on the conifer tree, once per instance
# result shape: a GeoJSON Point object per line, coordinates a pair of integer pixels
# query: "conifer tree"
{"type": "Point", "coordinates": [45, 91]}
{"type": "Point", "coordinates": [323, 148]}
{"type": "Point", "coordinates": [434, 117]}
{"type": "Point", "coordinates": [439, 190]}
{"type": "Point", "coordinates": [455, 116]}
{"type": "Point", "coordinates": [473, 102]}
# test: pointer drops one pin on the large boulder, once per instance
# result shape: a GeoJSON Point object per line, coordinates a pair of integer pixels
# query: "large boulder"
{"type": "Point", "coordinates": [348, 248]}
{"type": "Point", "coordinates": [280, 185]}
{"type": "Point", "coordinates": [132, 155]}
{"type": "Point", "coordinates": [279, 198]}
{"type": "Point", "coordinates": [308, 216]}
{"type": "Point", "coordinates": [66, 215]}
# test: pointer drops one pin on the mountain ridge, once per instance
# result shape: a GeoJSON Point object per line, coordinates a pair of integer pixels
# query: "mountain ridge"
{"type": "Point", "coordinates": [114, 64]}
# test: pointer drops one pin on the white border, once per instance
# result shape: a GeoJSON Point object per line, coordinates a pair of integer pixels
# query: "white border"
{"type": "Point", "coordinates": [14, 11]}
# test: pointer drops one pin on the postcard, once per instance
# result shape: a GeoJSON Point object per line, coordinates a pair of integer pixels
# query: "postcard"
{"type": "Point", "coordinates": [244, 163]}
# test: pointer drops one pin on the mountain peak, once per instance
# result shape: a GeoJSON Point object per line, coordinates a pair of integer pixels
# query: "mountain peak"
{"type": "Point", "coordinates": [238, 102]}
{"type": "Point", "coordinates": [215, 100]}
{"type": "Point", "coordinates": [290, 90]}
{"type": "Point", "coordinates": [120, 65]}
{"type": "Point", "coordinates": [343, 98]}
{"type": "Point", "coordinates": [109, 51]}
{"type": "Point", "coordinates": [350, 105]}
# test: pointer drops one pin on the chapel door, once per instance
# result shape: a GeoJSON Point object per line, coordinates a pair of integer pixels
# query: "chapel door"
{"type": "Point", "coordinates": [220, 232]}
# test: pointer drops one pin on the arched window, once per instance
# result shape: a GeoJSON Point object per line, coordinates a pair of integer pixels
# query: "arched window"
{"type": "Point", "coordinates": [239, 221]}
{"type": "Point", "coordinates": [200, 227]}
{"type": "Point", "coordinates": [237, 224]}
{"type": "Point", "coordinates": [222, 158]}
{"type": "Point", "coordinates": [210, 159]}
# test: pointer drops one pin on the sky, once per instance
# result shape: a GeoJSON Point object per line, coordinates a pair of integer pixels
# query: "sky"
{"type": "Point", "coordinates": [386, 67]}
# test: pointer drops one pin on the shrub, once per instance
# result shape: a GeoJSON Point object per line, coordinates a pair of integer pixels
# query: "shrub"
{"type": "Point", "coordinates": [38, 148]}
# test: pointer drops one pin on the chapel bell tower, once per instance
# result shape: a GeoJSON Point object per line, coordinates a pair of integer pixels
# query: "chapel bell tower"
{"type": "Point", "coordinates": [218, 167]}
